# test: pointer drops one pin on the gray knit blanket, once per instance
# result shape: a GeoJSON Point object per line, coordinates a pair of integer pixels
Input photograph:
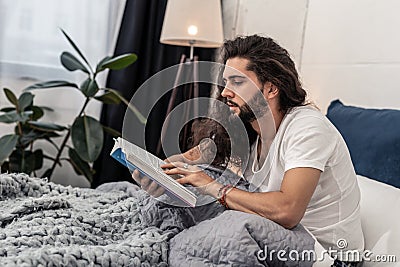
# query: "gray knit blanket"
{"type": "Point", "coordinates": [46, 224]}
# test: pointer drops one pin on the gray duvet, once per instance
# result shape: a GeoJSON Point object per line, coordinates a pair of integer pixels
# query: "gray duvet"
{"type": "Point", "coordinates": [45, 224]}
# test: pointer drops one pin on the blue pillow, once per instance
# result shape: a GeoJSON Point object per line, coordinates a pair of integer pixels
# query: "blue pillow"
{"type": "Point", "coordinates": [373, 139]}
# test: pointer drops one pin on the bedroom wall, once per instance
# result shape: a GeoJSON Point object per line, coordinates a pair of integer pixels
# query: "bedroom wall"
{"type": "Point", "coordinates": [346, 49]}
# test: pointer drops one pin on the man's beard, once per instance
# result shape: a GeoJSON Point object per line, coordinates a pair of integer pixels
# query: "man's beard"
{"type": "Point", "coordinates": [258, 110]}
{"type": "Point", "coordinates": [246, 114]}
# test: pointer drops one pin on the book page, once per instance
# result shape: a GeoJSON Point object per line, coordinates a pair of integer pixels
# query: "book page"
{"type": "Point", "coordinates": [148, 158]}
{"type": "Point", "coordinates": [148, 163]}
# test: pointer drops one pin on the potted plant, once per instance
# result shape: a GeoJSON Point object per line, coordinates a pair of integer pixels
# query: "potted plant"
{"type": "Point", "coordinates": [19, 154]}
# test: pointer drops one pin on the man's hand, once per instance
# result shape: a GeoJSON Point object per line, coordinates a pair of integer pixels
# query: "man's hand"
{"type": "Point", "coordinates": [192, 175]}
{"type": "Point", "coordinates": [147, 184]}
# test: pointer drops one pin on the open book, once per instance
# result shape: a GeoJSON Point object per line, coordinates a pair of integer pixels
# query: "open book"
{"type": "Point", "coordinates": [147, 164]}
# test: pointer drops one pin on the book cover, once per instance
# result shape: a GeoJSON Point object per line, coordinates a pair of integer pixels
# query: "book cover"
{"type": "Point", "coordinates": [147, 164]}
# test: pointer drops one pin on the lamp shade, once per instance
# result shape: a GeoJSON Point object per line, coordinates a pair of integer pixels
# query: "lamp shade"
{"type": "Point", "coordinates": [192, 22]}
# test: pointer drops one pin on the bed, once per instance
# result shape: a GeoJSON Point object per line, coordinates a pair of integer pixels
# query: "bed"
{"type": "Point", "coordinates": [118, 224]}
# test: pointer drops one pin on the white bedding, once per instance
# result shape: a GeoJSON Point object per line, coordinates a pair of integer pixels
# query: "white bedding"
{"type": "Point", "coordinates": [380, 217]}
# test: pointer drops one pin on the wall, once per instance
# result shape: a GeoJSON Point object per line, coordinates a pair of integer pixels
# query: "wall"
{"type": "Point", "coordinates": [346, 49]}
{"type": "Point", "coordinates": [351, 52]}
{"type": "Point", "coordinates": [267, 17]}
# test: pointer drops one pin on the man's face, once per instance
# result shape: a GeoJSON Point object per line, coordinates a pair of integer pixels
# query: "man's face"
{"type": "Point", "coordinates": [242, 90]}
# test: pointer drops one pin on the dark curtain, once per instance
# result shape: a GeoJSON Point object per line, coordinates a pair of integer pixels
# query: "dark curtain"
{"type": "Point", "coordinates": [139, 33]}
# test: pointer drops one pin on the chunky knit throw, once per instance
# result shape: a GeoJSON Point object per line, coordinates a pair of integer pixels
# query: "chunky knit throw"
{"type": "Point", "coordinates": [46, 224]}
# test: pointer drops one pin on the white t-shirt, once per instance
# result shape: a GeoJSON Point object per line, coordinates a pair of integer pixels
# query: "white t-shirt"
{"type": "Point", "coordinates": [306, 138]}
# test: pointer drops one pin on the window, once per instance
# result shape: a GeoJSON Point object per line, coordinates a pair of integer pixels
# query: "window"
{"type": "Point", "coordinates": [31, 41]}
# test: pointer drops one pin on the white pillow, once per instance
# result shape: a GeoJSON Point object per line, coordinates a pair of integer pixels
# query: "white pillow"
{"type": "Point", "coordinates": [380, 218]}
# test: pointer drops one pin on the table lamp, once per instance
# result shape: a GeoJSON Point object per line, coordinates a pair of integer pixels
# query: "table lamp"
{"type": "Point", "coordinates": [194, 23]}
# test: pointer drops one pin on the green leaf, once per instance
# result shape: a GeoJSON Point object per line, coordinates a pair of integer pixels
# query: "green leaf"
{"type": "Point", "coordinates": [51, 84]}
{"type": "Point", "coordinates": [16, 161]}
{"type": "Point", "coordinates": [139, 115]}
{"type": "Point", "coordinates": [46, 126]}
{"type": "Point", "coordinates": [80, 166]}
{"type": "Point", "coordinates": [87, 136]}
{"type": "Point", "coordinates": [109, 98]}
{"type": "Point", "coordinates": [111, 131]}
{"type": "Point", "coordinates": [7, 144]}
{"type": "Point", "coordinates": [25, 100]}
{"type": "Point", "coordinates": [38, 156]}
{"type": "Point", "coordinates": [51, 135]}
{"type": "Point", "coordinates": [27, 135]}
{"type": "Point", "coordinates": [100, 67]}
{"type": "Point", "coordinates": [71, 63]}
{"type": "Point", "coordinates": [13, 116]}
{"type": "Point", "coordinates": [37, 112]}
{"type": "Point", "coordinates": [89, 87]}
{"type": "Point", "coordinates": [26, 161]}
{"type": "Point", "coordinates": [119, 62]}
{"type": "Point", "coordinates": [11, 97]}
{"type": "Point", "coordinates": [24, 127]}
{"type": "Point", "coordinates": [75, 47]}
{"type": "Point", "coordinates": [10, 117]}
{"type": "Point", "coordinates": [7, 109]}
{"type": "Point", "coordinates": [31, 136]}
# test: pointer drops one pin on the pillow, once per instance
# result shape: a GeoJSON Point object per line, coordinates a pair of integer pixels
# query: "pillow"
{"type": "Point", "coordinates": [373, 139]}
{"type": "Point", "coordinates": [379, 218]}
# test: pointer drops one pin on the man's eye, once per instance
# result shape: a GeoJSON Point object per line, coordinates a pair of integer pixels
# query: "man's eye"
{"type": "Point", "coordinates": [237, 83]}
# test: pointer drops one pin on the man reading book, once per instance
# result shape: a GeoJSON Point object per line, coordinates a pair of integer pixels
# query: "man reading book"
{"type": "Point", "coordinates": [302, 165]}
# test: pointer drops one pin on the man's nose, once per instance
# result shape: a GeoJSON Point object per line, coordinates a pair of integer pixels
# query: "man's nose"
{"type": "Point", "coordinates": [227, 93]}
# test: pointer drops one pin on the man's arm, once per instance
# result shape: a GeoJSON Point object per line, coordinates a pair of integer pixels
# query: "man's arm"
{"type": "Point", "coordinates": [285, 207]}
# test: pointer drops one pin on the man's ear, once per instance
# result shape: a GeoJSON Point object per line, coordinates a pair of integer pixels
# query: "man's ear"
{"type": "Point", "coordinates": [270, 91]}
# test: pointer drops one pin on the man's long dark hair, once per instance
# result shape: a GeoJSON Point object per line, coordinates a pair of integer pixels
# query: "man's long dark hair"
{"type": "Point", "coordinates": [271, 63]}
